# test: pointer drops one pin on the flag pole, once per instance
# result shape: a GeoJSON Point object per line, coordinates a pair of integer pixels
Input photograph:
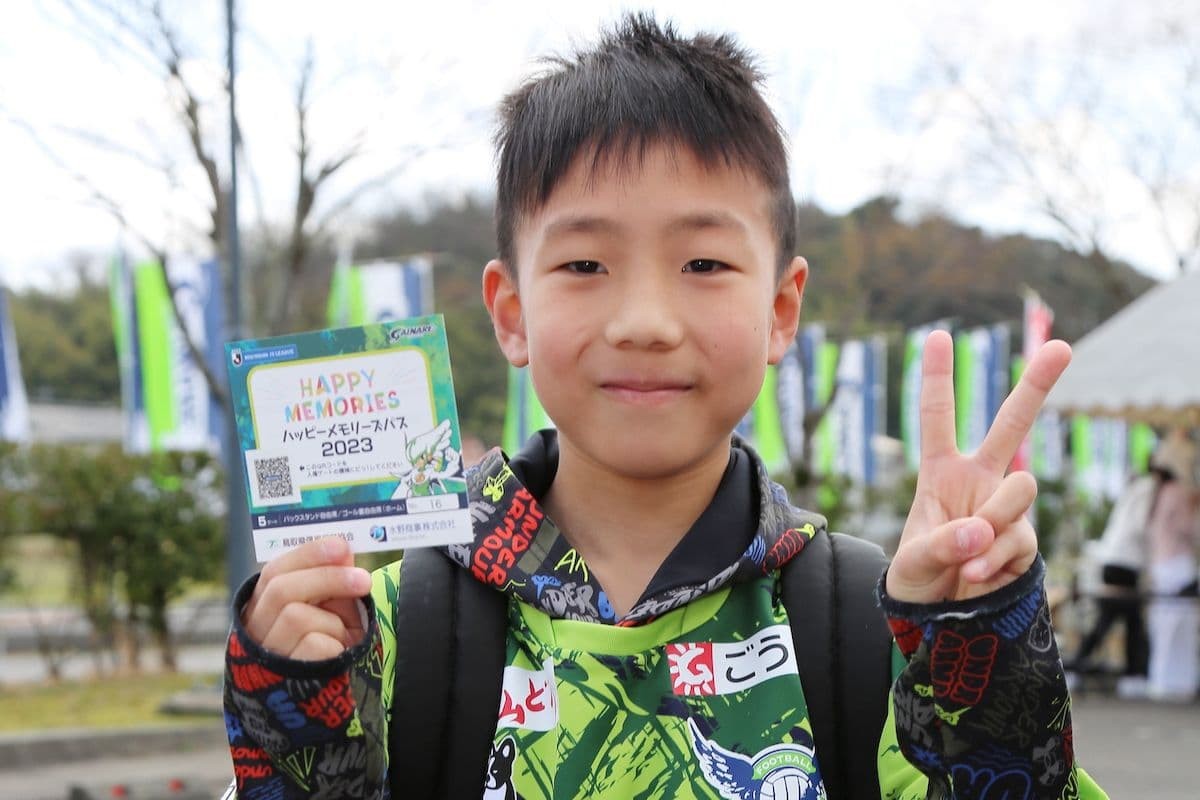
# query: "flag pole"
{"type": "Point", "coordinates": [238, 562]}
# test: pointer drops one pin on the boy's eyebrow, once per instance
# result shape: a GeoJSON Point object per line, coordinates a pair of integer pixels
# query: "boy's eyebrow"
{"type": "Point", "coordinates": [700, 220]}
{"type": "Point", "coordinates": [581, 223]}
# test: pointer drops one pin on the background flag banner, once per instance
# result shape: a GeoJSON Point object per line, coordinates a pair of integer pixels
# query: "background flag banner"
{"type": "Point", "coordinates": [877, 407]}
{"type": "Point", "coordinates": [1039, 319]}
{"type": "Point", "coordinates": [1142, 442]}
{"type": "Point", "coordinates": [970, 390]}
{"type": "Point", "coordinates": [380, 291]}
{"type": "Point", "coordinates": [981, 377]}
{"type": "Point", "coordinates": [810, 343]}
{"type": "Point", "coordinates": [812, 337]}
{"type": "Point", "coordinates": [766, 428]}
{"type": "Point", "coordinates": [523, 412]}
{"type": "Point", "coordinates": [857, 410]}
{"type": "Point", "coordinates": [129, 356]}
{"type": "Point", "coordinates": [167, 402]}
{"type": "Point", "coordinates": [1047, 450]}
{"type": "Point", "coordinates": [825, 444]}
{"type": "Point", "coordinates": [14, 406]}
{"type": "Point", "coordinates": [1100, 451]}
{"type": "Point", "coordinates": [790, 387]}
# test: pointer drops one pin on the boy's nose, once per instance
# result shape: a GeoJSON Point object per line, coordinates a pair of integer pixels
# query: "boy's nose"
{"type": "Point", "coordinates": [645, 314]}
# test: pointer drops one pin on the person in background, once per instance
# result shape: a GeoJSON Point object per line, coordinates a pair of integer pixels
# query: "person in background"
{"type": "Point", "coordinates": [1173, 534]}
{"type": "Point", "coordinates": [1121, 555]}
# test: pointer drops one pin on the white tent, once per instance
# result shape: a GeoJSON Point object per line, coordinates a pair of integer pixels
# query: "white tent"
{"type": "Point", "coordinates": [1143, 363]}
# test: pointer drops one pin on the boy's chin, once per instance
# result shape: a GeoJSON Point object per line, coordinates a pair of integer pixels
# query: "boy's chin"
{"type": "Point", "coordinates": [643, 458]}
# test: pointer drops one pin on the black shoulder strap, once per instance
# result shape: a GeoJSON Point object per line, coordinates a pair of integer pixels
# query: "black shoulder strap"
{"type": "Point", "coordinates": [844, 655]}
{"type": "Point", "coordinates": [450, 654]}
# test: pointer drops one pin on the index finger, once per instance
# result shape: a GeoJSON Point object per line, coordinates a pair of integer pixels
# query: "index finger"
{"type": "Point", "coordinates": [1020, 409]}
{"type": "Point", "coordinates": [938, 437]}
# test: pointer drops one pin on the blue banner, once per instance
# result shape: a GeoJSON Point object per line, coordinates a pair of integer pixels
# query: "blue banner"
{"type": "Point", "coordinates": [14, 407]}
{"type": "Point", "coordinates": [981, 382]}
{"type": "Point", "coordinates": [790, 387]}
{"type": "Point", "coordinates": [859, 408]}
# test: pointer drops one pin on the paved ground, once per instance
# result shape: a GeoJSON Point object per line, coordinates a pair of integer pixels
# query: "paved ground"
{"type": "Point", "coordinates": [28, 667]}
{"type": "Point", "coordinates": [1139, 750]}
{"type": "Point", "coordinates": [1135, 750]}
{"type": "Point", "coordinates": [206, 771]}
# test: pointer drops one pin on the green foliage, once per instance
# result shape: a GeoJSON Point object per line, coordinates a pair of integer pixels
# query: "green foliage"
{"type": "Point", "coordinates": [872, 269]}
{"type": "Point", "coordinates": [172, 537]}
{"type": "Point", "coordinates": [15, 479]}
{"type": "Point", "coordinates": [141, 528]}
{"type": "Point", "coordinates": [65, 341]}
{"type": "Point", "coordinates": [1064, 518]}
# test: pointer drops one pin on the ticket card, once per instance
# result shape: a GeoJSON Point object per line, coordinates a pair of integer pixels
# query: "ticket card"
{"type": "Point", "coordinates": [351, 432]}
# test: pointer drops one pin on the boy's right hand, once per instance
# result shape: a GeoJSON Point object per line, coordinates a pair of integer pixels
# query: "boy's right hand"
{"type": "Point", "coordinates": [305, 605]}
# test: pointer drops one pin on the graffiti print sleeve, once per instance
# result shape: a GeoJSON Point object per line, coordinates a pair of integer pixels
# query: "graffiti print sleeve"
{"type": "Point", "coordinates": [305, 729]}
{"type": "Point", "coordinates": [982, 707]}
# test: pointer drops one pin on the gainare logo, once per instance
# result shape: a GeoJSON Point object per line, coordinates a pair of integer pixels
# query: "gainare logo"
{"type": "Point", "coordinates": [396, 334]}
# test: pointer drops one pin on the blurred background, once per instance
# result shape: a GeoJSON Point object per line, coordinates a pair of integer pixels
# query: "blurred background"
{"type": "Point", "coordinates": [180, 174]}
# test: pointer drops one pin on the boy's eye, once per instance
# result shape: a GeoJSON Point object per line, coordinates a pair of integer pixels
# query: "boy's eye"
{"type": "Point", "coordinates": [584, 267]}
{"type": "Point", "coordinates": [704, 265]}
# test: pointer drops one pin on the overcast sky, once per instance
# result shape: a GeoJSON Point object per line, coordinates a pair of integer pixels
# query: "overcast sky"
{"type": "Point", "coordinates": [423, 78]}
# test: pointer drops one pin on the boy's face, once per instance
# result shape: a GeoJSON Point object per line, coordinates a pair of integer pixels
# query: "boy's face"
{"type": "Point", "coordinates": [647, 307]}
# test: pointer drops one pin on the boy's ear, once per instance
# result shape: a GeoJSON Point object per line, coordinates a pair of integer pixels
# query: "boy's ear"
{"type": "Point", "coordinates": [504, 306]}
{"type": "Point", "coordinates": [785, 311]}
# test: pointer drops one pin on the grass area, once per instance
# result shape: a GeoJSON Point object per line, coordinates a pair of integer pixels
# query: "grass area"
{"type": "Point", "coordinates": [102, 703]}
{"type": "Point", "coordinates": [42, 570]}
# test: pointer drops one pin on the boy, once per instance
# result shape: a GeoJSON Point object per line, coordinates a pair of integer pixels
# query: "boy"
{"type": "Point", "coordinates": [645, 276]}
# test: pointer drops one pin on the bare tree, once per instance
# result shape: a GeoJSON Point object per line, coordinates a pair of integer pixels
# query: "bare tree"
{"type": "Point", "coordinates": [147, 36]}
{"type": "Point", "coordinates": [1097, 133]}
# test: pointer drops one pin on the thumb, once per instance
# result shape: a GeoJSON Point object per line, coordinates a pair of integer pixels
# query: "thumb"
{"type": "Point", "coordinates": [924, 568]}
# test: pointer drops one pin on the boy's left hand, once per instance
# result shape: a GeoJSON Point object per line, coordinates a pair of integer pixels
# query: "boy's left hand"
{"type": "Point", "coordinates": [967, 533]}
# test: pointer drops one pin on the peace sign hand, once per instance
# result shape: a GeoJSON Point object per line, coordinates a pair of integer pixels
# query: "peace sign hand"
{"type": "Point", "coordinates": [967, 533]}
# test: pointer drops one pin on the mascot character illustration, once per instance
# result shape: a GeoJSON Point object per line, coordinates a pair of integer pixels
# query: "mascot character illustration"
{"type": "Point", "coordinates": [431, 460]}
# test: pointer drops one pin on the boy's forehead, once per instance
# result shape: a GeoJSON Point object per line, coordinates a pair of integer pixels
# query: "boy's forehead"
{"type": "Point", "coordinates": [594, 173]}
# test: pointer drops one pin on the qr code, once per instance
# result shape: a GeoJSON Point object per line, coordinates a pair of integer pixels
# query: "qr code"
{"type": "Point", "coordinates": [274, 477]}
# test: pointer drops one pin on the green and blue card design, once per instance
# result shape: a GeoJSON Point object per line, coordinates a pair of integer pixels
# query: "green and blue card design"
{"type": "Point", "coordinates": [351, 432]}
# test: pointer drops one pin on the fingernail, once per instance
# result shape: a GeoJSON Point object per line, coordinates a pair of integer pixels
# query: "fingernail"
{"type": "Point", "coordinates": [968, 536]}
{"type": "Point", "coordinates": [333, 548]}
{"type": "Point", "coordinates": [360, 580]}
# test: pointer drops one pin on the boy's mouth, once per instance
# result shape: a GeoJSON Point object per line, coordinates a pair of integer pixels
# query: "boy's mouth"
{"type": "Point", "coordinates": [644, 392]}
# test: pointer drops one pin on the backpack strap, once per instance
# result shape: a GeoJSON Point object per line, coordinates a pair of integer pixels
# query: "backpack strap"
{"type": "Point", "coordinates": [844, 657]}
{"type": "Point", "coordinates": [450, 655]}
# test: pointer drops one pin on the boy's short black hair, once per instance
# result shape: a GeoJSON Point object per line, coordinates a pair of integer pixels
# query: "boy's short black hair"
{"type": "Point", "coordinates": [641, 85]}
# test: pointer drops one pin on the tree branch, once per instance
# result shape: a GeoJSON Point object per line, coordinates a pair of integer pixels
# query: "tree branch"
{"type": "Point", "coordinates": [113, 208]}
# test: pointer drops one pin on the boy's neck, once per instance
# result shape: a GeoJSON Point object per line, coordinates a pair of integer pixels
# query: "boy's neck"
{"type": "Point", "coordinates": [625, 527]}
